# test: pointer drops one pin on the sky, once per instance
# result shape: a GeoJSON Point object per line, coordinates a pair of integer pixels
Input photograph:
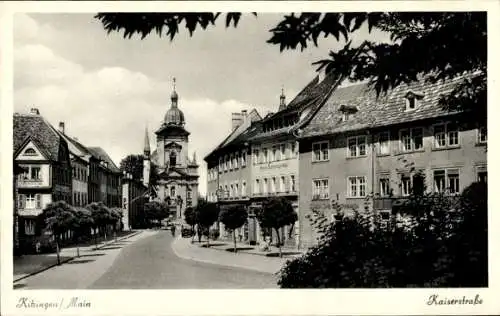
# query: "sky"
{"type": "Point", "coordinates": [107, 89]}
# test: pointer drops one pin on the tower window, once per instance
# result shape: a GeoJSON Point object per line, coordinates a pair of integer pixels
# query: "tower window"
{"type": "Point", "coordinates": [173, 158]}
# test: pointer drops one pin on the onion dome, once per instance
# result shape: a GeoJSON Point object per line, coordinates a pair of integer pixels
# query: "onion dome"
{"type": "Point", "coordinates": [174, 116]}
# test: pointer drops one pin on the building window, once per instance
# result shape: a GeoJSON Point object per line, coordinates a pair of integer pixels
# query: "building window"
{"type": "Point", "coordinates": [405, 185]}
{"type": "Point", "coordinates": [265, 186]}
{"type": "Point", "coordinates": [282, 184]}
{"type": "Point", "coordinates": [320, 151]}
{"type": "Point", "coordinates": [482, 176]}
{"type": "Point", "coordinates": [453, 181]}
{"type": "Point", "coordinates": [384, 187]}
{"type": "Point", "coordinates": [283, 151]}
{"type": "Point", "coordinates": [357, 186]}
{"type": "Point", "coordinates": [243, 158]}
{"type": "Point", "coordinates": [320, 189]}
{"type": "Point", "coordinates": [411, 139]}
{"type": "Point", "coordinates": [173, 158]}
{"type": "Point", "coordinates": [30, 152]}
{"type": "Point", "coordinates": [32, 201]}
{"type": "Point", "coordinates": [256, 188]}
{"type": "Point", "coordinates": [35, 173]}
{"type": "Point", "coordinates": [292, 183]}
{"type": "Point", "coordinates": [274, 154]}
{"type": "Point", "coordinates": [243, 188]}
{"type": "Point", "coordinates": [231, 190]}
{"type": "Point", "coordinates": [29, 227]}
{"type": "Point", "coordinates": [265, 155]}
{"type": "Point", "coordinates": [273, 185]}
{"type": "Point", "coordinates": [189, 194]}
{"type": "Point", "coordinates": [293, 149]}
{"type": "Point", "coordinates": [356, 146]}
{"type": "Point", "coordinates": [384, 143]}
{"type": "Point", "coordinates": [256, 156]}
{"type": "Point", "coordinates": [172, 192]}
{"type": "Point", "coordinates": [445, 135]}
{"type": "Point", "coordinates": [439, 181]}
{"type": "Point", "coordinates": [482, 135]}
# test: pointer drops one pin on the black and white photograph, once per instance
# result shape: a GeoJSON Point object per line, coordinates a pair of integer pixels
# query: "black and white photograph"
{"type": "Point", "coordinates": [229, 149]}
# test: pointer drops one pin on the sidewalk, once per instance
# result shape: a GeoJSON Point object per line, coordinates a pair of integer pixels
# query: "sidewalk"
{"type": "Point", "coordinates": [183, 248]}
{"type": "Point", "coordinates": [28, 265]}
{"type": "Point", "coordinates": [228, 245]}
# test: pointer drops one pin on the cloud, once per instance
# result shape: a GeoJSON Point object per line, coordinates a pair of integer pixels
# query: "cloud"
{"type": "Point", "coordinates": [110, 106]}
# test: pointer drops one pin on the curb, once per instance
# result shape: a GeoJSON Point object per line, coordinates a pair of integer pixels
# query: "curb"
{"type": "Point", "coordinates": [267, 254]}
{"type": "Point", "coordinates": [69, 259]}
{"type": "Point", "coordinates": [42, 270]}
{"type": "Point", "coordinates": [188, 257]}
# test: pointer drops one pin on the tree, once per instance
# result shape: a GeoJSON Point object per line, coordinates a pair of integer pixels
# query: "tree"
{"type": "Point", "coordinates": [100, 218]}
{"type": "Point", "coordinates": [190, 216]}
{"type": "Point", "coordinates": [58, 217]}
{"type": "Point", "coordinates": [134, 164]}
{"type": "Point", "coordinates": [275, 214]}
{"type": "Point", "coordinates": [439, 45]}
{"type": "Point", "coordinates": [233, 218]}
{"type": "Point", "coordinates": [82, 222]}
{"type": "Point", "coordinates": [156, 211]}
{"type": "Point", "coordinates": [207, 214]}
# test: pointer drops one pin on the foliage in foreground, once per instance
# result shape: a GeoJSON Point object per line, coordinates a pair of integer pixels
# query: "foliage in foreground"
{"type": "Point", "coordinates": [444, 44]}
{"type": "Point", "coordinates": [446, 246]}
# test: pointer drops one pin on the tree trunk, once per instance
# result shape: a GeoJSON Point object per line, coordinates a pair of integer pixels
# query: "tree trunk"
{"type": "Point", "coordinates": [95, 239]}
{"type": "Point", "coordinates": [57, 251]}
{"type": "Point", "coordinates": [78, 245]}
{"type": "Point", "coordinates": [199, 234]}
{"type": "Point", "coordinates": [234, 239]}
{"type": "Point", "coordinates": [279, 241]}
{"type": "Point", "coordinates": [208, 239]}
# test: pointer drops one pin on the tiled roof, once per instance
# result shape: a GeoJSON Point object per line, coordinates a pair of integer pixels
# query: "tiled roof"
{"type": "Point", "coordinates": [101, 154]}
{"type": "Point", "coordinates": [40, 131]}
{"type": "Point", "coordinates": [387, 109]}
{"type": "Point", "coordinates": [75, 147]}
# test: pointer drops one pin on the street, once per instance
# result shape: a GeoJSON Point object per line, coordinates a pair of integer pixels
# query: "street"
{"type": "Point", "coordinates": [145, 262]}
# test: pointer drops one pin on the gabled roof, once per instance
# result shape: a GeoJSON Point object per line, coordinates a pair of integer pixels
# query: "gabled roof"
{"type": "Point", "coordinates": [75, 147]}
{"type": "Point", "coordinates": [239, 134]}
{"type": "Point", "coordinates": [40, 131]}
{"type": "Point", "coordinates": [373, 111]}
{"type": "Point", "coordinates": [102, 155]}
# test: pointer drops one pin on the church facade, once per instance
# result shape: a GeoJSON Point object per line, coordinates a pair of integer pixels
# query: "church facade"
{"type": "Point", "coordinates": [177, 183]}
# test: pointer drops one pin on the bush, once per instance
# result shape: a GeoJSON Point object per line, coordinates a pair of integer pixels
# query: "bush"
{"type": "Point", "coordinates": [445, 247]}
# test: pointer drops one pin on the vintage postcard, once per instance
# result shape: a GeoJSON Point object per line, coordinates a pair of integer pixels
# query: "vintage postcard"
{"type": "Point", "coordinates": [304, 158]}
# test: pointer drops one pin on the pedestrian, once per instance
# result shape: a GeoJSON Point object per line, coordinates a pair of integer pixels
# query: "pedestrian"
{"type": "Point", "coordinates": [172, 230]}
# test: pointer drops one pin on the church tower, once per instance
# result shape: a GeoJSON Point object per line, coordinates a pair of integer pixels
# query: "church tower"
{"type": "Point", "coordinates": [146, 171]}
{"type": "Point", "coordinates": [178, 175]}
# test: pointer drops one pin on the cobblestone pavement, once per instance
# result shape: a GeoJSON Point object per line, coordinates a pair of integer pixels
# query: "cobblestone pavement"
{"type": "Point", "coordinates": [81, 272]}
{"type": "Point", "coordinates": [151, 263]}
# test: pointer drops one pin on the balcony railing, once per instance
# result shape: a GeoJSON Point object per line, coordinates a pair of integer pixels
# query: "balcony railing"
{"type": "Point", "coordinates": [30, 183]}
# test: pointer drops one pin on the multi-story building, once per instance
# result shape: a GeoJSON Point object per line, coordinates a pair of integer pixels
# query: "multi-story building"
{"type": "Point", "coordinates": [43, 154]}
{"type": "Point", "coordinates": [355, 143]}
{"type": "Point", "coordinates": [80, 157]}
{"type": "Point", "coordinates": [108, 175]}
{"type": "Point", "coordinates": [133, 199]}
{"type": "Point", "coordinates": [15, 223]}
{"type": "Point", "coordinates": [229, 170]}
{"type": "Point", "coordinates": [271, 150]}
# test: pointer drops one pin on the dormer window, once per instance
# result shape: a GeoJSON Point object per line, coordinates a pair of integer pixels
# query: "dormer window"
{"type": "Point", "coordinates": [413, 100]}
{"type": "Point", "coordinates": [347, 111]}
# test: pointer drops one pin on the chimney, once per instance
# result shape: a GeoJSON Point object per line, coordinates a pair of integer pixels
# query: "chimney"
{"type": "Point", "coordinates": [61, 127]}
{"type": "Point", "coordinates": [34, 111]}
{"type": "Point", "coordinates": [244, 113]}
{"type": "Point", "coordinates": [236, 120]}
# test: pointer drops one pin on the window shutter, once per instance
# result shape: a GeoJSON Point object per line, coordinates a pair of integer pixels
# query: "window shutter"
{"type": "Point", "coordinates": [38, 198]}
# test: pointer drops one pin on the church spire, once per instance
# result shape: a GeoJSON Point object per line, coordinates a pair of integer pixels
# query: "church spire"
{"type": "Point", "coordinates": [147, 148]}
{"type": "Point", "coordinates": [174, 97]}
{"type": "Point", "coordinates": [282, 99]}
{"type": "Point", "coordinates": [194, 158]}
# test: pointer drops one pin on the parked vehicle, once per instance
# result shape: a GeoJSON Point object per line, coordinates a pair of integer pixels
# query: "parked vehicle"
{"type": "Point", "coordinates": [187, 232]}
